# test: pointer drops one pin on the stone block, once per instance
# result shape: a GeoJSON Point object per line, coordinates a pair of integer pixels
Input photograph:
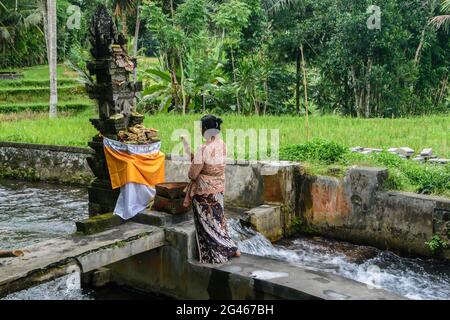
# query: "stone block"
{"type": "Point", "coordinates": [278, 182]}
{"type": "Point", "coordinates": [427, 152]}
{"type": "Point", "coordinates": [363, 184]}
{"type": "Point", "coordinates": [267, 220]}
{"type": "Point", "coordinates": [392, 150]}
{"type": "Point", "coordinates": [244, 185]}
{"type": "Point", "coordinates": [439, 161]}
{"type": "Point", "coordinates": [157, 218]}
{"type": "Point", "coordinates": [330, 202]}
{"type": "Point", "coordinates": [377, 150]}
{"type": "Point", "coordinates": [405, 151]}
{"type": "Point", "coordinates": [356, 149]}
{"type": "Point", "coordinates": [98, 223]}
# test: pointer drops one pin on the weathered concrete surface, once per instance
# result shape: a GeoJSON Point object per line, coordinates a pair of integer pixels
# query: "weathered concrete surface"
{"type": "Point", "coordinates": [160, 219]}
{"type": "Point", "coordinates": [45, 162]}
{"type": "Point", "coordinates": [50, 259]}
{"type": "Point", "coordinates": [243, 185]}
{"type": "Point", "coordinates": [357, 209]}
{"type": "Point", "coordinates": [173, 270]}
{"type": "Point", "coordinates": [266, 219]}
{"type": "Point", "coordinates": [279, 181]}
{"type": "Point", "coordinates": [100, 277]}
{"type": "Point", "coordinates": [280, 188]}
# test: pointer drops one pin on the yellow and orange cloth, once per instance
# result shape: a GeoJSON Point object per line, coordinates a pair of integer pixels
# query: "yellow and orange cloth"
{"type": "Point", "coordinates": [142, 164]}
{"type": "Point", "coordinates": [136, 169]}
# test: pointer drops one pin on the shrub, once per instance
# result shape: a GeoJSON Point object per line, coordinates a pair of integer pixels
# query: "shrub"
{"type": "Point", "coordinates": [436, 244]}
{"type": "Point", "coordinates": [425, 178]}
{"type": "Point", "coordinates": [327, 152]}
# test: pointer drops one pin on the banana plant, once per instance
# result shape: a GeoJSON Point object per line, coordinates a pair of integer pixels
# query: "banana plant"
{"type": "Point", "coordinates": [204, 71]}
{"type": "Point", "coordinates": [160, 89]}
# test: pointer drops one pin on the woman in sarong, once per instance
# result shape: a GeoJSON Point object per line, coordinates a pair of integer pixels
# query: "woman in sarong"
{"type": "Point", "coordinates": [205, 194]}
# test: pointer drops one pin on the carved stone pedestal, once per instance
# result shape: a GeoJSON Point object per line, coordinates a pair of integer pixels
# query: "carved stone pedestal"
{"type": "Point", "coordinates": [115, 94]}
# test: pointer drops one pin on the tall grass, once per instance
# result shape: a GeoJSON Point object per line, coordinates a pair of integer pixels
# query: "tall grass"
{"type": "Point", "coordinates": [417, 133]}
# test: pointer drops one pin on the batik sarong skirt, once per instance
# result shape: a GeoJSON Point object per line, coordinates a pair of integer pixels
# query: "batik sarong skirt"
{"type": "Point", "coordinates": [214, 242]}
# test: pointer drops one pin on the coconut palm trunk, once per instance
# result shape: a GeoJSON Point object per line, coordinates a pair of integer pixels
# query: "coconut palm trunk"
{"type": "Point", "coordinates": [136, 36]}
{"type": "Point", "coordinates": [53, 57]}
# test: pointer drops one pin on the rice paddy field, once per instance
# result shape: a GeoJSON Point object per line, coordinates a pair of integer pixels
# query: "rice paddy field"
{"type": "Point", "coordinates": [75, 129]}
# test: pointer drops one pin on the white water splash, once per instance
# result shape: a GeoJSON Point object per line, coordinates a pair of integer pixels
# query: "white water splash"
{"type": "Point", "coordinates": [411, 278]}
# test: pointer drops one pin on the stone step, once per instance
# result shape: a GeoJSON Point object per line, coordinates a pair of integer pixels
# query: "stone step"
{"type": "Point", "coordinates": [267, 220]}
{"type": "Point", "coordinates": [98, 223]}
{"type": "Point", "coordinates": [157, 218]}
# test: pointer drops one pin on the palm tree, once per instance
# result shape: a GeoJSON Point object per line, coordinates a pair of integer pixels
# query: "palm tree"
{"type": "Point", "coordinates": [121, 8]}
{"type": "Point", "coordinates": [52, 53]}
{"type": "Point", "coordinates": [444, 19]}
{"type": "Point", "coordinates": [15, 21]}
{"type": "Point", "coordinates": [136, 35]}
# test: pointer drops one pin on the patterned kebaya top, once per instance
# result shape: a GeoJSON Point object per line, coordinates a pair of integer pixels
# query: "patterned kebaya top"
{"type": "Point", "coordinates": [207, 171]}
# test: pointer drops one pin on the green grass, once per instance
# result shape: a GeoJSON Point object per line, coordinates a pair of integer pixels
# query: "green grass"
{"type": "Point", "coordinates": [42, 72]}
{"type": "Point", "coordinates": [417, 133]}
{"type": "Point", "coordinates": [73, 105]}
{"type": "Point", "coordinates": [32, 93]}
{"type": "Point", "coordinates": [35, 83]}
{"type": "Point", "coordinates": [36, 94]}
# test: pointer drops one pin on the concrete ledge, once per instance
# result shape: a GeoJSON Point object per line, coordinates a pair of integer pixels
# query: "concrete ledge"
{"type": "Point", "coordinates": [53, 258]}
{"type": "Point", "coordinates": [173, 270]}
{"type": "Point", "coordinates": [271, 279]}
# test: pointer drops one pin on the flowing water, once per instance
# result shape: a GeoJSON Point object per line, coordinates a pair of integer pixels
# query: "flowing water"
{"type": "Point", "coordinates": [411, 278]}
{"type": "Point", "coordinates": [33, 212]}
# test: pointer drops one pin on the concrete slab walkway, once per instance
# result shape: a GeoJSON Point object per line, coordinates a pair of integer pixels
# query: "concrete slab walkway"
{"type": "Point", "coordinates": [56, 257]}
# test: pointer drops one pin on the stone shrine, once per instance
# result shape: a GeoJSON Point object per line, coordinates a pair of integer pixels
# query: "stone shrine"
{"type": "Point", "coordinates": [115, 95]}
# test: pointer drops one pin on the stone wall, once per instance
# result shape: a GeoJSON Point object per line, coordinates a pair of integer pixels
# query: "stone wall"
{"type": "Point", "coordinates": [357, 209]}
{"type": "Point", "coordinates": [243, 187]}
{"type": "Point", "coordinates": [68, 165]}
{"type": "Point", "coordinates": [45, 162]}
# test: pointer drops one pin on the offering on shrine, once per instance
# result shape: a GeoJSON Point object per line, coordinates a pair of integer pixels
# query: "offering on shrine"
{"type": "Point", "coordinates": [138, 134]}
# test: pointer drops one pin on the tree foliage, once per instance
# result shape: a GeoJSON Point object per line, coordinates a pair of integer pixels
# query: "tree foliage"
{"type": "Point", "coordinates": [244, 55]}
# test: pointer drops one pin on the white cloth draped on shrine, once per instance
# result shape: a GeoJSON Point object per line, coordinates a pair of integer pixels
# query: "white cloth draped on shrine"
{"type": "Point", "coordinates": [133, 198]}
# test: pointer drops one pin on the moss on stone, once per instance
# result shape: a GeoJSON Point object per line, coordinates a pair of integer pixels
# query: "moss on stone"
{"type": "Point", "coordinates": [21, 173]}
{"type": "Point", "coordinates": [98, 223]}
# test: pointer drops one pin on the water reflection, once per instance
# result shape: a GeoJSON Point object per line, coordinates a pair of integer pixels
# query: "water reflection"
{"type": "Point", "coordinates": [33, 212]}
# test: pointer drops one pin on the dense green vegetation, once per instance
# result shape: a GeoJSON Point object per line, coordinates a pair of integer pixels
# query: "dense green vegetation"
{"type": "Point", "coordinates": [263, 56]}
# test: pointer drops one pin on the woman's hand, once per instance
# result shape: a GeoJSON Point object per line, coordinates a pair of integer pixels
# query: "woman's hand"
{"type": "Point", "coordinates": [186, 146]}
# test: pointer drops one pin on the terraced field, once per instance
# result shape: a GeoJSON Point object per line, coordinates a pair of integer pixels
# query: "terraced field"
{"type": "Point", "coordinates": [32, 93]}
